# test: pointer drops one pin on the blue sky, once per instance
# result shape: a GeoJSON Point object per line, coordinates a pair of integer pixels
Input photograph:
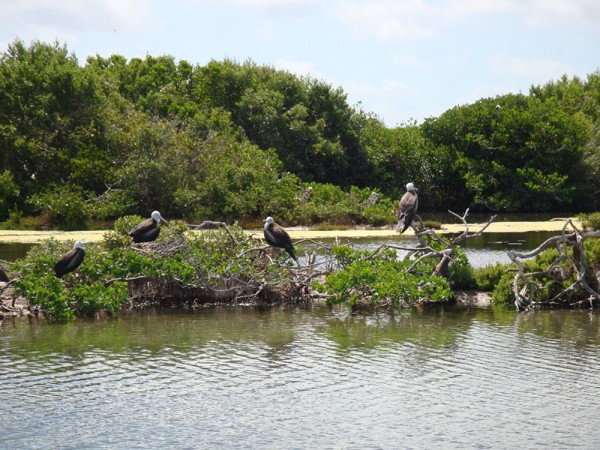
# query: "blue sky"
{"type": "Point", "coordinates": [401, 60]}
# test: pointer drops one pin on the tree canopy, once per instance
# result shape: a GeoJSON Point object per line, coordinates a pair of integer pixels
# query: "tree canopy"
{"type": "Point", "coordinates": [230, 140]}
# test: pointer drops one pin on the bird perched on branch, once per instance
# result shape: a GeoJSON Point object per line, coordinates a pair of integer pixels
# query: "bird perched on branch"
{"type": "Point", "coordinates": [276, 236]}
{"type": "Point", "coordinates": [407, 209]}
{"type": "Point", "coordinates": [147, 230]}
{"type": "Point", "coordinates": [70, 260]}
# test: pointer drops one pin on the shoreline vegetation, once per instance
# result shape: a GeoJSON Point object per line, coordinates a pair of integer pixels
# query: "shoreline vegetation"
{"type": "Point", "coordinates": [231, 266]}
{"type": "Point", "coordinates": [35, 236]}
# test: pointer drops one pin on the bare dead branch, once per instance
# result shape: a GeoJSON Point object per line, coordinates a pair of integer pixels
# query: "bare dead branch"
{"type": "Point", "coordinates": [213, 224]}
{"type": "Point", "coordinates": [525, 286]}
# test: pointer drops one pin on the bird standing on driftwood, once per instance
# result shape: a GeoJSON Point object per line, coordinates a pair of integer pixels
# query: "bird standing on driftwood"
{"type": "Point", "coordinates": [276, 236]}
{"type": "Point", "coordinates": [147, 230]}
{"type": "Point", "coordinates": [70, 260]}
{"type": "Point", "coordinates": [407, 209]}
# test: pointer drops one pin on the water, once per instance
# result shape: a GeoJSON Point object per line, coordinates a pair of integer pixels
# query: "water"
{"type": "Point", "coordinates": [295, 378]}
{"type": "Point", "coordinates": [12, 252]}
{"type": "Point", "coordinates": [487, 249]}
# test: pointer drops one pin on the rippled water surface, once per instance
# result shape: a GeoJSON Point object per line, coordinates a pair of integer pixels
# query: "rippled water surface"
{"type": "Point", "coordinates": [295, 378]}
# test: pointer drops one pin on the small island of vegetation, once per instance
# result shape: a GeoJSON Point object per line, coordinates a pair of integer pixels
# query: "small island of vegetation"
{"type": "Point", "coordinates": [91, 146]}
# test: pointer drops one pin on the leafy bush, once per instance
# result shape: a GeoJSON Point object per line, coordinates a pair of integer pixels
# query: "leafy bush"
{"type": "Point", "coordinates": [75, 294]}
{"type": "Point", "coordinates": [119, 236]}
{"type": "Point", "coordinates": [461, 271]}
{"type": "Point", "coordinates": [381, 280]}
{"type": "Point", "coordinates": [113, 203]}
{"type": "Point", "coordinates": [64, 205]}
{"type": "Point", "coordinates": [591, 221]}
{"type": "Point", "coordinates": [208, 260]}
{"type": "Point", "coordinates": [331, 204]}
{"type": "Point", "coordinates": [487, 278]}
{"type": "Point", "coordinates": [502, 293]}
{"type": "Point", "coordinates": [9, 192]}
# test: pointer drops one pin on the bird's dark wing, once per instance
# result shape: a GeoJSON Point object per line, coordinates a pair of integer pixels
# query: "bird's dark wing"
{"type": "Point", "coordinates": [276, 236]}
{"type": "Point", "coordinates": [406, 211]}
{"type": "Point", "coordinates": [285, 240]}
{"type": "Point", "coordinates": [69, 262]}
{"type": "Point", "coordinates": [270, 237]}
{"type": "Point", "coordinates": [146, 231]}
{"type": "Point", "coordinates": [3, 276]}
{"type": "Point", "coordinates": [142, 227]}
{"type": "Point", "coordinates": [408, 202]}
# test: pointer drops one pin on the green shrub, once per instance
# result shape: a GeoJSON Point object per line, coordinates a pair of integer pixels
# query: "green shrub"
{"type": "Point", "coordinates": [112, 204]}
{"type": "Point", "coordinates": [549, 285]}
{"type": "Point", "coordinates": [381, 280]}
{"type": "Point", "coordinates": [591, 221]}
{"type": "Point", "coordinates": [502, 293]}
{"type": "Point", "coordinates": [487, 278]}
{"type": "Point", "coordinates": [9, 192]}
{"type": "Point", "coordinates": [64, 205]}
{"type": "Point", "coordinates": [208, 260]}
{"type": "Point", "coordinates": [119, 236]}
{"type": "Point", "coordinates": [461, 271]}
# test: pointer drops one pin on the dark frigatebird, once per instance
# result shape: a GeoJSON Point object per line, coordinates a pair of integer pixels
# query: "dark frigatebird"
{"type": "Point", "coordinates": [70, 260]}
{"type": "Point", "coordinates": [276, 236]}
{"type": "Point", "coordinates": [407, 209]}
{"type": "Point", "coordinates": [3, 276]}
{"type": "Point", "coordinates": [147, 230]}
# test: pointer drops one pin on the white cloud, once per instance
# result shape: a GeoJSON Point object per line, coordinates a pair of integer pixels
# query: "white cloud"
{"type": "Point", "coordinates": [552, 12]}
{"type": "Point", "coordinates": [300, 68]}
{"type": "Point", "coordinates": [274, 3]}
{"type": "Point", "coordinates": [388, 20]}
{"type": "Point", "coordinates": [66, 16]}
{"type": "Point", "coordinates": [411, 20]}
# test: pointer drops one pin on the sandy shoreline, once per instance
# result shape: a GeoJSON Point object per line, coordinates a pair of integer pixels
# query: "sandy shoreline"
{"type": "Point", "coordinates": [32, 237]}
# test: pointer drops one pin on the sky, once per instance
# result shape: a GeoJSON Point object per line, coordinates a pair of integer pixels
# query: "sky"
{"type": "Point", "coordinates": [402, 60]}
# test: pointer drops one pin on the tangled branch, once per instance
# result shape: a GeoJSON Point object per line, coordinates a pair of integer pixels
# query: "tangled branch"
{"type": "Point", "coordinates": [526, 286]}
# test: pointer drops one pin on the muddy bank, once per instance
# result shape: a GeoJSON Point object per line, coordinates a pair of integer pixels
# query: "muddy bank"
{"type": "Point", "coordinates": [33, 237]}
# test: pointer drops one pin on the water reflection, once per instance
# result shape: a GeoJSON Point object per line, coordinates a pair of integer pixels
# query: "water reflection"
{"type": "Point", "coordinates": [298, 378]}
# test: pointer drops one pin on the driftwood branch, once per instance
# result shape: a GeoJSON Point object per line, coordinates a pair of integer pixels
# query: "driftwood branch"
{"type": "Point", "coordinates": [527, 285]}
{"type": "Point", "coordinates": [465, 234]}
{"type": "Point", "coordinates": [213, 224]}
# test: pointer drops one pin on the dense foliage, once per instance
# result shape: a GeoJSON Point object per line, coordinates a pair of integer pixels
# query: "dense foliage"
{"type": "Point", "coordinates": [231, 140]}
{"type": "Point", "coordinates": [209, 261]}
{"type": "Point", "coordinates": [222, 267]}
{"type": "Point", "coordinates": [382, 280]}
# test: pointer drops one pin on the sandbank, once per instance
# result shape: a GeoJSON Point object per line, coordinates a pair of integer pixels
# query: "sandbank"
{"type": "Point", "coordinates": [33, 237]}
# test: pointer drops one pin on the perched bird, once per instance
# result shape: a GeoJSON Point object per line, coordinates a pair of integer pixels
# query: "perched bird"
{"type": "Point", "coordinates": [407, 208]}
{"type": "Point", "coordinates": [276, 236]}
{"type": "Point", "coordinates": [70, 260]}
{"type": "Point", "coordinates": [147, 230]}
{"type": "Point", "coordinates": [3, 276]}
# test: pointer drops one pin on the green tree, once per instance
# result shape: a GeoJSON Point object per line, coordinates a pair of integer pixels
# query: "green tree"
{"type": "Point", "coordinates": [520, 155]}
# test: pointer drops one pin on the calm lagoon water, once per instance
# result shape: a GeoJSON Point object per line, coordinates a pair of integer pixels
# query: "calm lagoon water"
{"type": "Point", "coordinates": [442, 377]}
{"type": "Point", "coordinates": [297, 378]}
